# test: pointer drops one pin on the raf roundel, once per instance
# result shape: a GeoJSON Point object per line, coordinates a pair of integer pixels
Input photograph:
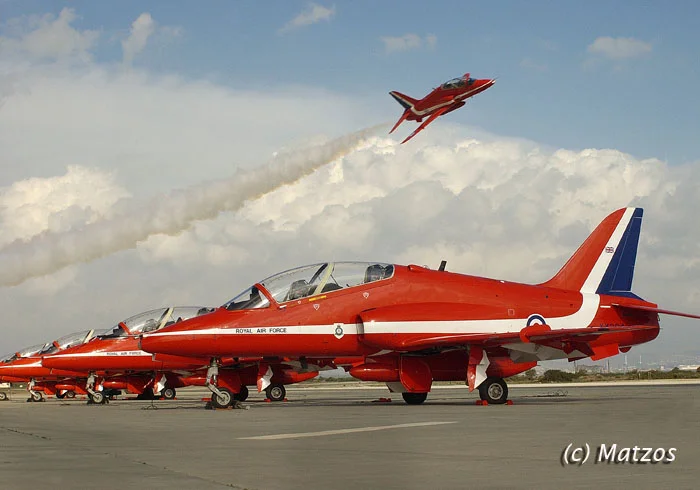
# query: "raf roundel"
{"type": "Point", "coordinates": [535, 320]}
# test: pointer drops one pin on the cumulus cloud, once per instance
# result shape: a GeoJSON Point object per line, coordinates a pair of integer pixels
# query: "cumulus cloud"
{"type": "Point", "coordinates": [170, 214]}
{"type": "Point", "coordinates": [141, 30]}
{"type": "Point", "coordinates": [407, 42]}
{"type": "Point", "coordinates": [312, 14]}
{"type": "Point", "coordinates": [48, 38]}
{"type": "Point", "coordinates": [617, 48]}
{"type": "Point", "coordinates": [56, 204]}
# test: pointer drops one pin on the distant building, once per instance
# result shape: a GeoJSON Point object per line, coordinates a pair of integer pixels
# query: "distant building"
{"type": "Point", "coordinates": [689, 367]}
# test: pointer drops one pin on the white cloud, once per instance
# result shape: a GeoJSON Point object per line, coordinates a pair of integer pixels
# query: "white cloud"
{"type": "Point", "coordinates": [407, 42]}
{"type": "Point", "coordinates": [313, 14]}
{"type": "Point", "coordinates": [32, 206]}
{"type": "Point", "coordinates": [618, 48]}
{"type": "Point", "coordinates": [141, 30]}
{"type": "Point", "coordinates": [48, 38]}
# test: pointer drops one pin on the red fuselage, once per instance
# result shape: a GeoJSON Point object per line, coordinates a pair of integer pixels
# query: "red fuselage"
{"type": "Point", "coordinates": [410, 311]}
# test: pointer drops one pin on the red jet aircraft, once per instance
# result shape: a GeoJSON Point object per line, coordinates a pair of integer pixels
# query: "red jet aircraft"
{"type": "Point", "coordinates": [414, 325]}
{"type": "Point", "coordinates": [114, 361]}
{"type": "Point", "coordinates": [25, 367]}
{"type": "Point", "coordinates": [449, 96]}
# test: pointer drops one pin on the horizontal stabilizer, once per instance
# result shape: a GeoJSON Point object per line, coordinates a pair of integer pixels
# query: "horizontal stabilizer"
{"type": "Point", "coordinates": [405, 101]}
{"type": "Point", "coordinates": [656, 310]}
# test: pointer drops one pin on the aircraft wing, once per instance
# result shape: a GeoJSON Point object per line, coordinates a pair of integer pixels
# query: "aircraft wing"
{"type": "Point", "coordinates": [430, 119]}
{"type": "Point", "coordinates": [494, 340]}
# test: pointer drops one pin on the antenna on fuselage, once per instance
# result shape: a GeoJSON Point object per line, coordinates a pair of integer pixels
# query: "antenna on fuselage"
{"type": "Point", "coordinates": [442, 265]}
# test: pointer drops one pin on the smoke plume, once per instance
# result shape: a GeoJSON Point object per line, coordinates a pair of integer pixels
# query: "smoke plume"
{"type": "Point", "coordinates": [168, 214]}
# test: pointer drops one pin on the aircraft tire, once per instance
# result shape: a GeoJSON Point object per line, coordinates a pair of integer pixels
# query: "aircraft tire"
{"type": "Point", "coordinates": [168, 393]}
{"type": "Point", "coordinates": [60, 395]}
{"type": "Point", "coordinates": [276, 392]}
{"type": "Point", "coordinates": [70, 394]}
{"type": "Point", "coordinates": [242, 395]}
{"type": "Point", "coordinates": [98, 398]}
{"type": "Point", "coordinates": [494, 391]}
{"type": "Point", "coordinates": [222, 401]}
{"type": "Point", "coordinates": [414, 398]}
{"type": "Point", "coordinates": [3, 396]}
{"type": "Point", "coordinates": [35, 396]}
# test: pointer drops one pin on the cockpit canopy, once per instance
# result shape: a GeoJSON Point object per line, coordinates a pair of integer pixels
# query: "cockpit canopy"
{"type": "Point", "coordinates": [70, 340]}
{"type": "Point", "coordinates": [310, 280]}
{"type": "Point", "coordinates": [27, 352]}
{"type": "Point", "coordinates": [150, 321]}
{"type": "Point", "coordinates": [458, 82]}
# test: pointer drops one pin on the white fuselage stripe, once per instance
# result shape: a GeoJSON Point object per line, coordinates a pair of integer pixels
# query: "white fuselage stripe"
{"type": "Point", "coordinates": [443, 104]}
{"type": "Point", "coordinates": [580, 319]}
{"type": "Point", "coordinates": [119, 353]}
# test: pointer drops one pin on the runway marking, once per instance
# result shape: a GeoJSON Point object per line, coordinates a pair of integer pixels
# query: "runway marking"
{"type": "Point", "coordinates": [342, 431]}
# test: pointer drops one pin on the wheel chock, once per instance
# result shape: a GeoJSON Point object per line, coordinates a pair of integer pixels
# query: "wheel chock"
{"type": "Point", "coordinates": [482, 403]}
{"type": "Point", "coordinates": [382, 400]}
{"type": "Point", "coordinates": [509, 402]}
{"type": "Point", "coordinates": [206, 399]}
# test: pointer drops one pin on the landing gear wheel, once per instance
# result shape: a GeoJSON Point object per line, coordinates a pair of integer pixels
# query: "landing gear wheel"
{"type": "Point", "coordinates": [222, 401]}
{"type": "Point", "coordinates": [70, 394]}
{"type": "Point", "coordinates": [60, 395]}
{"type": "Point", "coordinates": [276, 393]}
{"type": "Point", "coordinates": [98, 398]}
{"type": "Point", "coordinates": [36, 396]}
{"type": "Point", "coordinates": [3, 396]}
{"type": "Point", "coordinates": [242, 395]}
{"type": "Point", "coordinates": [414, 398]}
{"type": "Point", "coordinates": [168, 393]}
{"type": "Point", "coordinates": [494, 391]}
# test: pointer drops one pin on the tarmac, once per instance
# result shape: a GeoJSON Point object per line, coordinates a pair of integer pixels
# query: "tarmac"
{"type": "Point", "coordinates": [341, 437]}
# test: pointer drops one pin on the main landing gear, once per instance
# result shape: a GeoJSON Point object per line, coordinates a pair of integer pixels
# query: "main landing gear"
{"type": "Point", "coordinates": [494, 391]}
{"type": "Point", "coordinates": [168, 393]}
{"type": "Point", "coordinates": [275, 392]}
{"type": "Point", "coordinates": [414, 398]}
{"type": "Point", "coordinates": [35, 396]}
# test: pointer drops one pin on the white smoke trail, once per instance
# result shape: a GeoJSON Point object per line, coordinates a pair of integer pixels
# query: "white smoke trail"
{"type": "Point", "coordinates": [169, 214]}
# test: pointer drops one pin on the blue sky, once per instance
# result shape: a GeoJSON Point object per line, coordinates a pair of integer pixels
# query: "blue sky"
{"type": "Point", "coordinates": [550, 89]}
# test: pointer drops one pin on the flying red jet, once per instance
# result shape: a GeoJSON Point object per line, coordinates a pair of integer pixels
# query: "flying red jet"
{"type": "Point", "coordinates": [449, 96]}
{"type": "Point", "coordinates": [114, 361]}
{"type": "Point", "coordinates": [413, 325]}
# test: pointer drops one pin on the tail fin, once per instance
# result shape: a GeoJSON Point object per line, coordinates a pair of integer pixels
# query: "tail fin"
{"type": "Point", "coordinates": [405, 101]}
{"type": "Point", "coordinates": [604, 263]}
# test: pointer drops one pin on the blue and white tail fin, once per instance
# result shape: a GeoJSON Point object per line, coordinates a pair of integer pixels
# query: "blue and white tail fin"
{"type": "Point", "coordinates": [604, 263]}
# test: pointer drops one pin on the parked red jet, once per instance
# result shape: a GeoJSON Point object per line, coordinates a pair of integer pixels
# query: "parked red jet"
{"type": "Point", "coordinates": [449, 96]}
{"type": "Point", "coordinates": [114, 361]}
{"type": "Point", "coordinates": [414, 326]}
{"type": "Point", "coordinates": [25, 367]}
